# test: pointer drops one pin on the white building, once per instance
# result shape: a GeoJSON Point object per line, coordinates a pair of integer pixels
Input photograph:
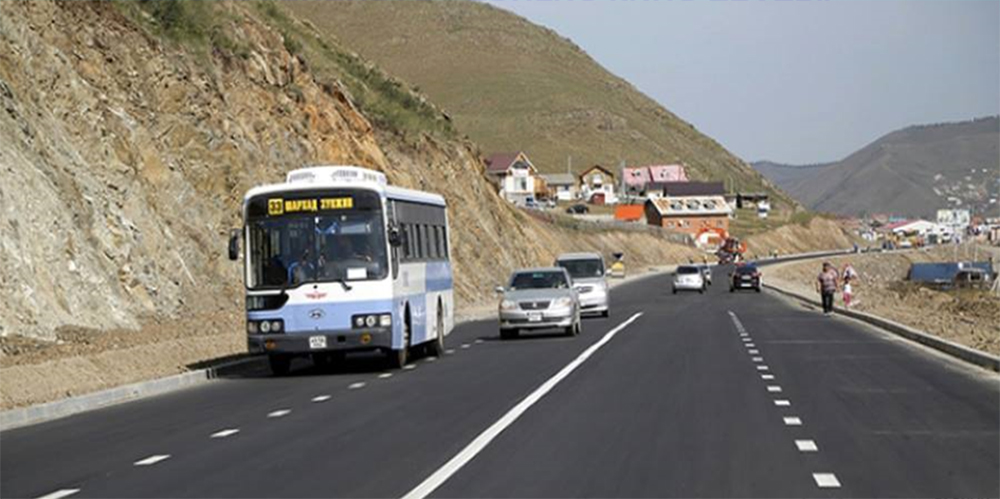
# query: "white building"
{"type": "Point", "coordinates": [515, 176]}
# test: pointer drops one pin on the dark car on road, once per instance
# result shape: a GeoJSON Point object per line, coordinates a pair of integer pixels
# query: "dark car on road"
{"type": "Point", "coordinates": [745, 277]}
{"type": "Point", "coordinates": [577, 209]}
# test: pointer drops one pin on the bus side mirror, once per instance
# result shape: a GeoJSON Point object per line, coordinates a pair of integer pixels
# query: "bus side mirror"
{"type": "Point", "coordinates": [395, 238]}
{"type": "Point", "coordinates": [234, 244]}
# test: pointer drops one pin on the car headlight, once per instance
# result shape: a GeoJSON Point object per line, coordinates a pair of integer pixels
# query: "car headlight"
{"type": "Point", "coordinates": [507, 305]}
{"type": "Point", "coordinates": [563, 302]}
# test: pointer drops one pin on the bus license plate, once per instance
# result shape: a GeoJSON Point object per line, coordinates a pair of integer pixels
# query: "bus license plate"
{"type": "Point", "coordinates": [316, 342]}
{"type": "Point", "coordinates": [534, 317]}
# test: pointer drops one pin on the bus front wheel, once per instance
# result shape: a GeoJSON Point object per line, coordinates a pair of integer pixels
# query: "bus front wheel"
{"type": "Point", "coordinates": [280, 364]}
{"type": "Point", "coordinates": [436, 347]}
{"type": "Point", "coordinates": [397, 358]}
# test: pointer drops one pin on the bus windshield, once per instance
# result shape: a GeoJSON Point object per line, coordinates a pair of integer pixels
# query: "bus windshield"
{"type": "Point", "coordinates": [288, 251]}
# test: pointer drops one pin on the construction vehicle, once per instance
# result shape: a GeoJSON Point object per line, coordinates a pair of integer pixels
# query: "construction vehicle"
{"type": "Point", "coordinates": [731, 251]}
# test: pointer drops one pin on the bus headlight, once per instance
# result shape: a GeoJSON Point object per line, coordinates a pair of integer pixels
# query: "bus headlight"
{"type": "Point", "coordinates": [265, 327]}
{"type": "Point", "coordinates": [251, 327]}
{"type": "Point", "coordinates": [371, 320]}
{"type": "Point", "coordinates": [359, 321]}
{"type": "Point", "coordinates": [276, 326]}
{"type": "Point", "coordinates": [385, 320]}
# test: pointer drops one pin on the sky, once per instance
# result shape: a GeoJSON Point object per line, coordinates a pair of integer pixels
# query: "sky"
{"type": "Point", "coordinates": [793, 81]}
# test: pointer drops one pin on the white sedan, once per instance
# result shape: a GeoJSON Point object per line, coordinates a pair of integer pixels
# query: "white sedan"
{"type": "Point", "coordinates": [689, 278]}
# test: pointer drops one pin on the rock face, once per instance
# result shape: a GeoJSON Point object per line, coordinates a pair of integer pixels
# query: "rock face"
{"type": "Point", "coordinates": [124, 159]}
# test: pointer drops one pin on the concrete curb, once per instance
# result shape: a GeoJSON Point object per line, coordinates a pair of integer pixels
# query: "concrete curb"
{"type": "Point", "coordinates": [25, 416]}
{"type": "Point", "coordinates": [960, 352]}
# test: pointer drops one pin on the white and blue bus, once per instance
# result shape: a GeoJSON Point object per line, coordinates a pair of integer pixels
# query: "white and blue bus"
{"type": "Point", "coordinates": [336, 260]}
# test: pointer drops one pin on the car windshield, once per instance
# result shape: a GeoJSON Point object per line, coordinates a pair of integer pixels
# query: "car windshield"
{"type": "Point", "coordinates": [746, 270]}
{"type": "Point", "coordinates": [582, 269]}
{"type": "Point", "coordinates": [687, 270]}
{"type": "Point", "coordinates": [290, 250]}
{"type": "Point", "coordinates": [538, 280]}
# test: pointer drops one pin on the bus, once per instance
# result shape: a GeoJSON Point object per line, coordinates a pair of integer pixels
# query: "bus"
{"type": "Point", "coordinates": [336, 261]}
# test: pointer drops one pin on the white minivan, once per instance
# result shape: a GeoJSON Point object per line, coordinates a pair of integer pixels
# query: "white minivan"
{"type": "Point", "coordinates": [590, 280]}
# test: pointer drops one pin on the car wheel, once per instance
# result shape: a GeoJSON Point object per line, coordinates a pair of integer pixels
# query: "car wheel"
{"type": "Point", "coordinates": [675, 291]}
{"type": "Point", "coordinates": [506, 334]}
{"type": "Point", "coordinates": [732, 289]}
{"type": "Point", "coordinates": [702, 290]}
{"type": "Point", "coordinates": [606, 314]}
{"type": "Point", "coordinates": [280, 364]}
{"type": "Point", "coordinates": [758, 289]}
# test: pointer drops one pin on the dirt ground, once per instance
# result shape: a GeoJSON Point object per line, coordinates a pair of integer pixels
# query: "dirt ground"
{"type": "Point", "coordinates": [968, 317]}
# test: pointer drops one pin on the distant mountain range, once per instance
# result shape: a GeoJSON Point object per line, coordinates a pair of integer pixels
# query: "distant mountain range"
{"type": "Point", "coordinates": [913, 172]}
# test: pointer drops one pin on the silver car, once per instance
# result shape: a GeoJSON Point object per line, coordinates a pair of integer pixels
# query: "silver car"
{"type": "Point", "coordinates": [538, 299]}
{"type": "Point", "coordinates": [689, 278]}
{"type": "Point", "coordinates": [590, 280]}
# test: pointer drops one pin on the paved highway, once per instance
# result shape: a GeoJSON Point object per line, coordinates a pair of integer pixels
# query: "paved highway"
{"type": "Point", "coordinates": [714, 395]}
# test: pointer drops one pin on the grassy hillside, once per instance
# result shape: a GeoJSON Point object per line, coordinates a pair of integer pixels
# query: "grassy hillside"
{"type": "Point", "coordinates": [512, 85]}
{"type": "Point", "coordinates": [913, 171]}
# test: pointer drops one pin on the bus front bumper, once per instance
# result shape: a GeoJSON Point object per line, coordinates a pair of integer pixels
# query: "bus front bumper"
{"type": "Point", "coordinates": [320, 341]}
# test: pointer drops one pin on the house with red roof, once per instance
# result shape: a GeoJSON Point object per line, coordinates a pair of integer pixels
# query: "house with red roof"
{"type": "Point", "coordinates": [516, 177]}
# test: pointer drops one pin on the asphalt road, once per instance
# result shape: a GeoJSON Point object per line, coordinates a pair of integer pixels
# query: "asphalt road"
{"type": "Point", "coordinates": [680, 402]}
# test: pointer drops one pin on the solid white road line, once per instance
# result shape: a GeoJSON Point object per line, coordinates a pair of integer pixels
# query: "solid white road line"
{"type": "Point", "coordinates": [279, 413]}
{"type": "Point", "coordinates": [773, 388]}
{"type": "Point", "coordinates": [225, 433]}
{"type": "Point", "coordinates": [792, 421]}
{"type": "Point", "coordinates": [767, 376]}
{"type": "Point", "coordinates": [385, 376]}
{"type": "Point", "coordinates": [321, 398]}
{"type": "Point", "coordinates": [826, 480]}
{"type": "Point", "coordinates": [806, 446]}
{"type": "Point", "coordinates": [151, 460]}
{"type": "Point", "coordinates": [59, 494]}
{"type": "Point", "coordinates": [782, 403]}
{"type": "Point", "coordinates": [480, 442]}
{"type": "Point", "coordinates": [355, 386]}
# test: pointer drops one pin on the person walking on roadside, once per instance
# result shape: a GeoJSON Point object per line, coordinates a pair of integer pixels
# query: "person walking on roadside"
{"type": "Point", "coordinates": [826, 285]}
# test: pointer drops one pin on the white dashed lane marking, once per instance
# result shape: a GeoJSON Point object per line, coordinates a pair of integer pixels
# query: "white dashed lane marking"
{"type": "Point", "coordinates": [449, 351]}
{"type": "Point", "coordinates": [321, 398]}
{"type": "Point", "coordinates": [773, 388]}
{"type": "Point", "coordinates": [151, 460]}
{"type": "Point", "coordinates": [59, 494]}
{"type": "Point", "coordinates": [279, 413]}
{"type": "Point", "coordinates": [385, 376]}
{"type": "Point", "coordinates": [782, 403]}
{"type": "Point", "coordinates": [355, 386]}
{"type": "Point", "coordinates": [758, 359]}
{"type": "Point", "coordinates": [465, 345]}
{"type": "Point", "coordinates": [826, 480]}
{"type": "Point", "coordinates": [228, 432]}
{"type": "Point", "coordinates": [792, 421]}
{"type": "Point", "coordinates": [767, 376]}
{"type": "Point", "coordinates": [753, 351]}
{"type": "Point", "coordinates": [479, 340]}
{"type": "Point", "coordinates": [806, 446]}
{"type": "Point", "coordinates": [762, 368]}
{"type": "Point", "coordinates": [430, 359]}
{"type": "Point", "coordinates": [751, 345]}
{"type": "Point", "coordinates": [410, 367]}
{"type": "Point", "coordinates": [747, 340]}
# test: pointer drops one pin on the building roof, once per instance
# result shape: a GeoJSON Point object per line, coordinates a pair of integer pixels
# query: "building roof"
{"type": "Point", "coordinates": [559, 179]}
{"type": "Point", "coordinates": [692, 206]}
{"type": "Point", "coordinates": [668, 173]}
{"type": "Point", "coordinates": [694, 189]}
{"type": "Point", "coordinates": [499, 162]}
{"type": "Point", "coordinates": [629, 212]}
{"type": "Point", "coordinates": [636, 177]}
{"type": "Point", "coordinates": [596, 167]}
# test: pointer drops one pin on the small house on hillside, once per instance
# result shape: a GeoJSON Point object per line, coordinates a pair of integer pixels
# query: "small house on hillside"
{"type": "Point", "coordinates": [597, 185]}
{"type": "Point", "coordinates": [561, 186]}
{"type": "Point", "coordinates": [515, 176]}
{"type": "Point", "coordinates": [645, 180]}
{"type": "Point", "coordinates": [691, 207]}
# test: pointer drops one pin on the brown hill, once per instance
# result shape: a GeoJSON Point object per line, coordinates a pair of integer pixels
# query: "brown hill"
{"type": "Point", "coordinates": [913, 171]}
{"type": "Point", "coordinates": [513, 85]}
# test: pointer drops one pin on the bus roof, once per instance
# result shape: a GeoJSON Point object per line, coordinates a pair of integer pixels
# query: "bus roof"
{"type": "Point", "coordinates": [327, 177]}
